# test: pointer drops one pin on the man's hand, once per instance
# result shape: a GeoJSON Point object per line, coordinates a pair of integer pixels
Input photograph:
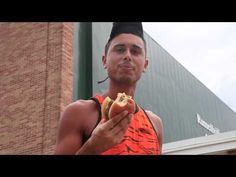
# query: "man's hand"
{"type": "Point", "coordinates": [109, 133]}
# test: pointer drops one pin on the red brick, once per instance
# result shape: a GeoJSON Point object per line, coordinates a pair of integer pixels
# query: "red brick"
{"type": "Point", "coordinates": [32, 90]}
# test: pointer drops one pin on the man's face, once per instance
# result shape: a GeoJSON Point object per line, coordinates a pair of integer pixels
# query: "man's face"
{"type": "Point", "coordinates": [125, 60]}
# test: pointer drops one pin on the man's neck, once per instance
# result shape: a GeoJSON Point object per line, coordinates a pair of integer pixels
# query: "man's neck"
{"type": "Point", "coordinates": [118, 88]}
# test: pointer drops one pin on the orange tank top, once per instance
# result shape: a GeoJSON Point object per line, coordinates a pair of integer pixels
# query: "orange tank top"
{"type": "Point", "coordinates": [139, 139]}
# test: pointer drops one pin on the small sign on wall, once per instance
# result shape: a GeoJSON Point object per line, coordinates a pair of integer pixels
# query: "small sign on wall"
{"type": "Point", "coordinates": [207, 126]}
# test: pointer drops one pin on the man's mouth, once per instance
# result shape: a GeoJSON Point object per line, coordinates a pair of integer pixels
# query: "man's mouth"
{"type": "Point", "coordinates": [126, 66]}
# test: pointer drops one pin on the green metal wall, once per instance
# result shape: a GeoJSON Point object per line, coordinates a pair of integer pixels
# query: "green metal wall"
{"type": "Point", "coordinates": [82, 65]}
{"type": "Point", "coordinates": [167, 88]}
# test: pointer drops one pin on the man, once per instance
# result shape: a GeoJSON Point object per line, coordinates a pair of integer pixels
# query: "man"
{"type": "Point", "coordinates": [82, 130]}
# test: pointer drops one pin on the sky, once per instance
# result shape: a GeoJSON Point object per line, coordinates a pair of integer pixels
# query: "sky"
{"type": "Point", "coordinates": [207, 50]}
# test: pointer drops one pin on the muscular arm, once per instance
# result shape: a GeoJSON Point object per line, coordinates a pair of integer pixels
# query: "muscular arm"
{"type": "Point", "coordinates": [157, 124]}
{"type": "Point", "coordinates": [72, 126]}
{"type": "Point", "coordinates": [69, 138]}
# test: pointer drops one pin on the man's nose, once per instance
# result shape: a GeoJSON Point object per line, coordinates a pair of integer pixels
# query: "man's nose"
{"type": "Point", "coordinates": [128, 55]}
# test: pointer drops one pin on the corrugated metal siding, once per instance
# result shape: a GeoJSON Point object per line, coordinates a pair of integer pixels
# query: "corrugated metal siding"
{"type": "Point", "coordinates": [100, 33]}
{"type": "Point", "coordinates": [82, 61]}
{"type": "Point", "coordinates": [169, 90]}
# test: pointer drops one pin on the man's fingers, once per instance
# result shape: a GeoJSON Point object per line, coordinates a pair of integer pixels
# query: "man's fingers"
{"type": "Point", "coordinates": [116, 119]}
{"type": "Point", "coordinates": [103, 120]}
{"type": "Point", "coordinates": [123, 124]}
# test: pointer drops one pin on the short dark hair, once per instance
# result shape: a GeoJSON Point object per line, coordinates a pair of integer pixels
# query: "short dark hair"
{"type": "Point", "coordinates": [135, 28]}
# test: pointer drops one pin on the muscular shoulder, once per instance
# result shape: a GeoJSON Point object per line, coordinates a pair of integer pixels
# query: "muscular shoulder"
{"type": "Point", "coordinates": [73, 118]}
{"type": "Point", "coordinates": [72, 125]}
{"type": "Point", "coordinates": [78, 106]}
{"type": "Point", "coordinates": [76, 109]}
{"type": "Point", "coordinates": [157, 124]}
{"type": "Point", "coordinates": [154, 117]}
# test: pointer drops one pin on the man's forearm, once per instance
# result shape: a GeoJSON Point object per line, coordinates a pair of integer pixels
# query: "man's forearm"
{"type": "Point", "coordinates": [87, 149]}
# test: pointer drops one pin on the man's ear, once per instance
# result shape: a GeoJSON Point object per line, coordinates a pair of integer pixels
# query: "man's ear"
{"type": "Point", "coordinates": [104, 61]}
{"type": "Point", "coordinates": [145, 65]}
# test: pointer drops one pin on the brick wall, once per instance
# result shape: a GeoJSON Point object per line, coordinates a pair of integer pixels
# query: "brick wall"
{"type": "Point", "coordinates": [35, 84]}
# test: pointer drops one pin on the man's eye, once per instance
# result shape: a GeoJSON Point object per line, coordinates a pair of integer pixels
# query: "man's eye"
{"type": "Point", "coordinates": [120, 50]}
{"type": "Point", "coordinates": [135, 52]}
